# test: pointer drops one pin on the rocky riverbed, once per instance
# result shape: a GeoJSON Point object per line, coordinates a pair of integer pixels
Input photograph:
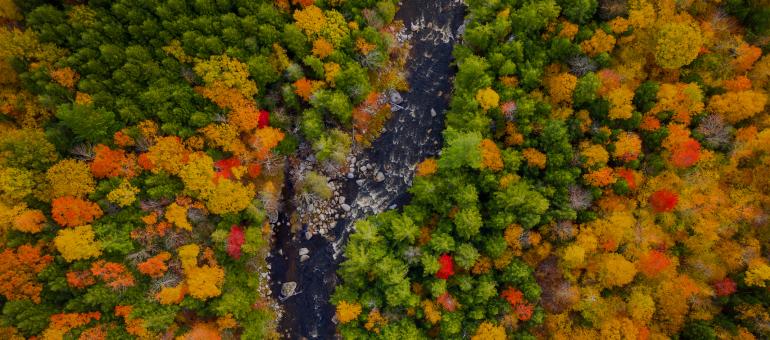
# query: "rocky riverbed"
{"type": "Point", "coordinates": [304, 264]}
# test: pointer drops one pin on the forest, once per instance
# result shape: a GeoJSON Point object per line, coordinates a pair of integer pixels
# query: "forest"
{"type": "Point", "coordinates": [602, 175]}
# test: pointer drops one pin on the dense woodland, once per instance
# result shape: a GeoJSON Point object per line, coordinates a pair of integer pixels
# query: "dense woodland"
{"type": "Point", "coordinates": [603, 174]}
{"type": "Point", "coordinates": [141, 154]}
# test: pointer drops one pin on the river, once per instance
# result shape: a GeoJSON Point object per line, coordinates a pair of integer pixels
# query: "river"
{"type": "Point", "coordinates": [411, 135]}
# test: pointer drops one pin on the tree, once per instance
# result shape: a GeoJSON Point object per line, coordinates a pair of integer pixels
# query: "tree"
{"type": "Point", "coordinates": [124, 195]}
{"type": "Point", "coordinates": [488, 331]}
{"type": "Point", "coordinates": [112, 163]}
{"type": "Point", "coordinates": [627, 147]}
{"type": "Point", "coordinates": [663, 200]}
{"type": "Point", "coordinates": [599, 43]}
{"type": "Point", "coordinates": [65, 77]}
{"type": "Point", "coordinates": [678, 44]}
{"type": "Point", "coordinates": [177, 215]}
{"type": "Point", "coordinates": [487, 98]}
{"type": "Point", "coordinates": [735, 107]}
{"type": "Point", "coordinates": [684, 100]}
{"type": "Point", "coordinates": [235, 241]}
{"type": "Point", "coordinates": [585, 89]}
{"type": "Point", "coordinates": [114, 275]}
{"type": "Point", "coordinates": [228, 197]}
{"type": "Point", "coordinates": [534, 16]}
{"type": "Point", "coordinates": [334, 146]}
{"type": "Point", "coordinates": [427, 167]}
{"type": "Point", "coordinates": [70, 178]}
{"type": "Point", "coordinates": [311, 20]}
{"type": "Point", "coordinates": [156, 266]}
{"type": "Point", "coordinates": [77, 243]}
{"type": "Point", "coordinates": [653, 263]}
{"type": "Point", "coordinates": [347, 312]}
{"type": "Point", "coordinates": [322, 48]}
{"type": "Point", "coordinates": [227, 71]}
{"type": "Point", "coordinates": [30, 221]}
{"type": "Point", "coordinates": [462, 150]}
{"type": "Point", "coordinates": [490, 155]}
{"type": "Point", "coordinates": [561, 88]}
{"type": "Point", "coordinates": [535, 158]}
{"type": "Point", "coordinates": [203, 282]}
{"type": "Point", "coordinates": [518, 203]}
{"type": "Point", "coordinates": [26, 148]}
{"type": "Point", "coordinates": [615, 270]}
{"type": "Point", "coordinates": [18, 272]}
{"type": "Point", "coordinates": [87, 122]}
{"type": "Point", "coordinates": [16, 185]}
{"type": "Point", "coordinates": [70, 211]}
{"type": "Point", "coordinates": [620, 101]}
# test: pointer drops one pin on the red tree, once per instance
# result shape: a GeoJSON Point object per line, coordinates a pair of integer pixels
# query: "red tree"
{"type": "Point", "coordinates": [235, 241]}
{"type": "Point", "coordinates": [447, 267]}
{"type": "Point", "coordinates": [663, 200]}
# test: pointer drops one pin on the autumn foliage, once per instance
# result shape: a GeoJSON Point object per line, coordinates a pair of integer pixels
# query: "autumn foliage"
{"type": "Point", "coordinates": [18, 272]}
{"type": "Point", "coordinates": [69, 211]}
{"type": "Point", "coordinates": [663, 200]}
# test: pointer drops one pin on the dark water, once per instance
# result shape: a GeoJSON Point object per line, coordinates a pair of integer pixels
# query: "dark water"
{"type": "Point", "coordinates": [413, 134]}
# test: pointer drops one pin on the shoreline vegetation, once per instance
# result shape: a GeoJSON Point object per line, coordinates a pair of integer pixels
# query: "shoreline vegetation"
{"type": "Point", "coordinates": [143, 147]}
{"type": "Point", "coordinates": [601, 177]}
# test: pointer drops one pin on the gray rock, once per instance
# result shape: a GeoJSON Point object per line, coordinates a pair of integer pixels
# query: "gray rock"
{"type": "Point", "coordinates": [304, 258]}
{"type": "Point", "coordinates": [288, 289]}
{"type": "Point", "coordinates": [303, 251]}
{"type": "Point", "coordinates": [308, 235]}
{"type": "Point", "coordinates": [380, 177]}
{"type": "Point", "coordinates": [350, 175]}
{"type": "Point", "coordinates": [360, 182]}
{"type": "Point", "coordinates": [345, 207]}
{"type": "Point", "coordinates": [395, 97]}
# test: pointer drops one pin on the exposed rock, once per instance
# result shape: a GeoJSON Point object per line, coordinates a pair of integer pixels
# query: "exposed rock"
{"type": "Point", "coordinates": [345, 207]}
{"type": "Point", "coordinates": [288, 289]}
{"type": "Point", "coordinates": [380, 177]}
{"type": "Point", "coordinates": [395, 97]}
{"type": "Point", "coordinates": [304, 251]}
{"type": "Point", "coordinates": [304, 258]}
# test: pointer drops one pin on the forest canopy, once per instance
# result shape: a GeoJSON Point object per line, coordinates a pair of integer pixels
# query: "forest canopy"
{"type": "Point", "coordinates": [601, 177]}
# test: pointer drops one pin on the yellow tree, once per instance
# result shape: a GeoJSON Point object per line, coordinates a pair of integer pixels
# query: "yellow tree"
{"type": "Point", "coordinates": [678, 44]}
{"type": "Point", "coordinates": [615, 270]}
{"type": "Point", "coordinates": [70, 178]}
{"type": "Point", "coordinates": [560, 87]}
{"type": "Point", "coordinates": [77, 243]}
{"type": "Point", "coordinates": [738, 106]}
{"type": "Point", "coordinates": [620, 103]}
{"type": "Point", "coordinates": [487, 98]}
{"type": "Point", "coordinates": [228, 71]}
